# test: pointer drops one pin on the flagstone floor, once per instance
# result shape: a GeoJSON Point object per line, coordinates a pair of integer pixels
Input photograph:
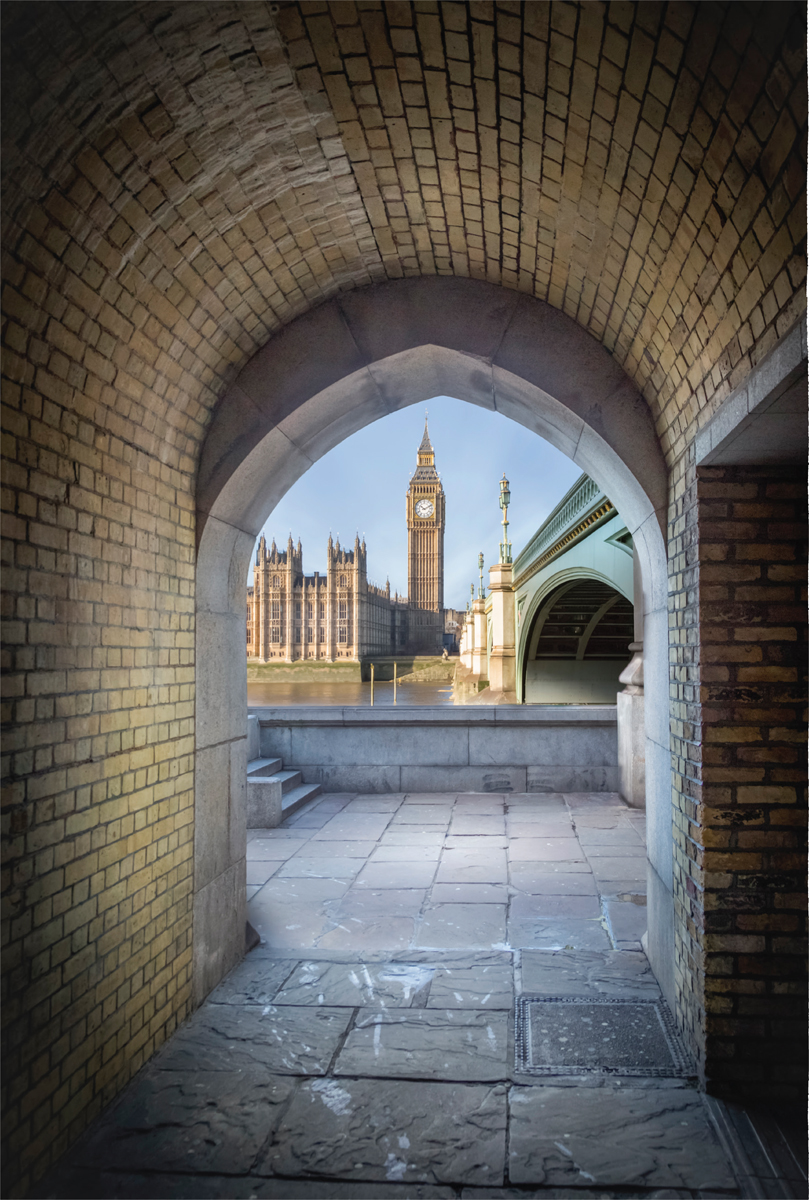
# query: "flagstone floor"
{"type": "Point", "coordinates": [366, 1047]}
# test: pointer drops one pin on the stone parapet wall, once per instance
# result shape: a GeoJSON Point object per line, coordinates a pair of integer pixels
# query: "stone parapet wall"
{"type": "Point", "coordinates": [503, 749]}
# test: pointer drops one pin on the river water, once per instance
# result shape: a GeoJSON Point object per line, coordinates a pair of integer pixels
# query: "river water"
{"type": "Point", "coordinates": [260, 693]}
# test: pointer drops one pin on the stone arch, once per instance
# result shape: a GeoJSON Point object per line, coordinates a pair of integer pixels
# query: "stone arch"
{"type": "Point", "coordinates": [541, 605]}
{"type": "Point", "coordinates": [543, 593]}
{"type": "Point", "coordinates": [326, 376]}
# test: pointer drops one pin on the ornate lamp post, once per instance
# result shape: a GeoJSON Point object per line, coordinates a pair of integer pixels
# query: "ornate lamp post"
{"type": "Point", "coordinates": [505, 500]}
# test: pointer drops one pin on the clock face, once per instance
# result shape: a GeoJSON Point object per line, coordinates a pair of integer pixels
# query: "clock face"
{"type": "Point", "coordinates": [424, 508]}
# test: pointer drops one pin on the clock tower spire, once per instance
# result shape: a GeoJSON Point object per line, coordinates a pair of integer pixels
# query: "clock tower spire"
{"type": "Point", "coordinates": [425, 551]}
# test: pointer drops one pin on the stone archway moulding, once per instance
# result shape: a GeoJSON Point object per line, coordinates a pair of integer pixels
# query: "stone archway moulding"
{"type": "Point", "coordinates": [328, 374]}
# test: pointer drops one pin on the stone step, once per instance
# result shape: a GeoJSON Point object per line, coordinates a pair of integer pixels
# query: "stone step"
{"type": "Point", "coordinates": [261, 767]}
{"type": "Point", "coordinates": [288, 780]}
{"type": "Point", "coordinates": [297, 797]}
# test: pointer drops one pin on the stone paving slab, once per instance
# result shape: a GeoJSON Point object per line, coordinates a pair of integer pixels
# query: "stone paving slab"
{"type": "Point", "coordinates": [287, 926]}
{"type": "Point", "coordinates": [396, 874]}
{"type": "Point", "coordinates": [253, 981]}
{"type": "Point", "coordinates": [378, 933]}
{"type": "Point", "coordinates": [284, 1040]}
{"type": "Point", "coordinates": [106, 1185]}
{"type": "Point", "coordinates": [413, 835]}
{"type": "Point", "coordinates": [577, 1193]}
{"type": "Point", "coordinates": [626, 920]}
{"type": "Point", "coordinates": [478, 926]}
{"type": "Point", "coordinates": [529, 878]}
{"type": "Point", "coordinates": [518, 828]}
{"type": "Point", "coordinates": [466, 1045]}
{"type": "Point", "coordinates": [384, 985]}
{"type": "Point", "coordinates": [301, 867]}
{"type": "Point", "coordinates": [469, 893]}
{"type": "Point", "coordinates": [548, 866]}
{"type": "Point", "coordinates": [258, 873]}
{"type": "Point", "coordinates": [285, 832]}
{"type": "Point", "coordinates": [374, 804]}
{"type": "Point", "coordinates": [442, 798]}
{"type": "Point", "coordinates": [337, 848]}
{"type": "Point", "coordinates": [535, 800]}
{"type": "Point", "coordinates": [369, 903]}
{"type": "Point", "coordinates": [544, 849]}
{"type": "Point", "coordinates": [461, 866]}
{"type": "Point", "coordinates": [481, 842]}
{"type": "Point", "coordinates": [487, 983]}
{"type": "Point", "coordinates": [623, 887]}
{"type": "Point", "coordinates": [527, 907]}
{"type": "Point", "coordinates": [422, 814]}
{"type": "Point", "coordinates": [353, 826]}
{"type": "Point", "coordinates": [619, 973]}
{"type": "Point", "coordinates": [394, 852]}
{"type": "Point", "coordinates": [393, 1131]}
{"type": "Point", "coordinates": [477, 824]}
{"type": "Point", "coordinates": [278, 848]}
{"type": "Point", "coordinates": [302, 890]}
{"type": "Point", "coordinates": [305, 820]}
{"type": "Point", "coordinates": [216, 1120]}
{"type": "Point", "coordinates": [623, 835]}
{"type": "Point", "coordinates": [613, 1137]}
{"type": "Point", "coordinates": [636, 850]}
{"type": "Point", "coordinates": [591, 800]}
{"type": "Point", "coordinates": [557, 933]}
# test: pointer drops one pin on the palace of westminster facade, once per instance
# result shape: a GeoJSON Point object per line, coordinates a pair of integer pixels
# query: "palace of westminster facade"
{"type": "Point", "coordinates": [340, 615]}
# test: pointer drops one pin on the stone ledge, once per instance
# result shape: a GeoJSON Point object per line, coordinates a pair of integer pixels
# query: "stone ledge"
{"type": "Point", "coordinates": [436, 715]}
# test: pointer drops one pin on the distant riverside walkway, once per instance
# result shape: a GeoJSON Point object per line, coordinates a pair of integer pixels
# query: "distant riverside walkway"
{"type": "Point", "coordinates": [280, 693]}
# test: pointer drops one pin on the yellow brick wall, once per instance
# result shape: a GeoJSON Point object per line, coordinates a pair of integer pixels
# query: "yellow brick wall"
{"type": "Point", "coordinates": [179, 183]}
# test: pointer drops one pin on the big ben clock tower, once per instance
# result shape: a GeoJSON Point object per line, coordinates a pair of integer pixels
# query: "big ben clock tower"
{"type": "Point", "coordinates": [425, 552]}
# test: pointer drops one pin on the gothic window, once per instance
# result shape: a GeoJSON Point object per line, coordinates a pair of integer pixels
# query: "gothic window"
{"type": "Point", "coordinates": [275, 610]}
{"type": "Point", "coordinates": [322, 633]}
{"type": "Point", "coordinates": [310, 609]}
{"type": "Point", "coordinates": [276, 582]}
{"type": "Point", "coordinates": [298, 610]}
{"type": "Point", "coordinates": [342, 609]}
{"type": "Point", "coordinates": [297, 633]}
{"type": "Point", "coordinates": [342, 635]}
{"type": "Point", "coordinates": [342, 581]}
{"type": "Point", "coordinates": [275, 634]}
{"type": "Point", "coordinates": [322, 610]}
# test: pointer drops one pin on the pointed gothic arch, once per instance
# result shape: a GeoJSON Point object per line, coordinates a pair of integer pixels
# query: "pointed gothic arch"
{"type": "Point", "coordinates": [322, 378]}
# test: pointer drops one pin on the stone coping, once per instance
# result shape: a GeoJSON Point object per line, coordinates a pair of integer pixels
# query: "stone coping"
{"type": "Point", "coordinates": [439, 714]}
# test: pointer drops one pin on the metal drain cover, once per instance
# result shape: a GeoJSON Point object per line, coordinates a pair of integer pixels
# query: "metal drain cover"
{"type": "Point", "coordinates": [576, 1035]}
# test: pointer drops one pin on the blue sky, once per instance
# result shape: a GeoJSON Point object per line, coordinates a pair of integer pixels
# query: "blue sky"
{"type": "Point", "coordinates": [360, 487]}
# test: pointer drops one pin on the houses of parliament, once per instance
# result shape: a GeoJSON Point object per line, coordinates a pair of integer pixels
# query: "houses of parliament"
{"type": "Point", "coordinates": [340, 615]}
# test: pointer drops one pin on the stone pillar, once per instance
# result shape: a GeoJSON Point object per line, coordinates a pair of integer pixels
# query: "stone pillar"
{"type": "Point", "coordinates": [503, 658]}
{"type": "Point", "coordinates": [480, 664]}
{"type": "Point", "coordinates": [632, 731]}
{"type": "Point", "coordinates": [470, 640]}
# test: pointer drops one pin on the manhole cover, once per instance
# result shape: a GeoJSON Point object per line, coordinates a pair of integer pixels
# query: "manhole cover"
{"type": "Point", "coordinates": [574, 1035]}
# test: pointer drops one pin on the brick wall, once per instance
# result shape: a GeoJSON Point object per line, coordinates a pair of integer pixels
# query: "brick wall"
{"type": "Point", "coordinates": [639, 166]}
{"type": "Point", "coordinates": [740, 733]}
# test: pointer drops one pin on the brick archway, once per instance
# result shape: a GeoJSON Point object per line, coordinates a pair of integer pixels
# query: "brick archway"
{"type": "Point", "coordinates": [329, 374]}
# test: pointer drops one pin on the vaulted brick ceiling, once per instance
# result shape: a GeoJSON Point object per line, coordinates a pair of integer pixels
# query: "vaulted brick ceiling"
{"type": "Point", "coordinates": [182, 180]}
